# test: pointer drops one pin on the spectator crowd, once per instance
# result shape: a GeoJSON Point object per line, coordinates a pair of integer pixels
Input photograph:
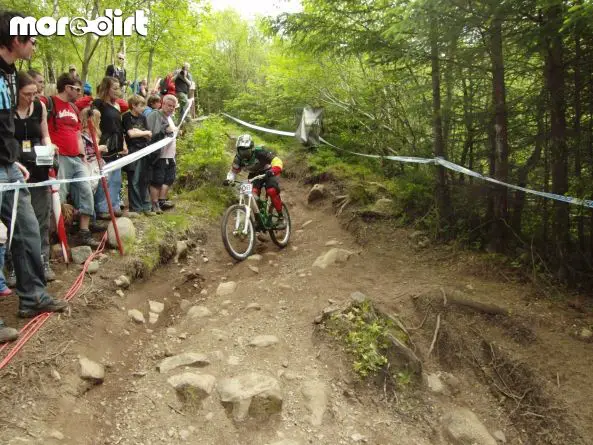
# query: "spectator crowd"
{"type": "Point", "coordinates": [75, 133]}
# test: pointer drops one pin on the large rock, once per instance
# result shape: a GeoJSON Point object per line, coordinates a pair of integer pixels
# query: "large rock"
{"type": "Point", "coordinates": [93, 267]}
{"type": "Point", "coordinates": [256, 395]}
{"type": "Point", "coordinates": [383, 207]}
{"type": "Point", "coordinates": [91, 371]}
{"type": "Point", "coordinates": [137, 316]}
{"type": "Point", "coordinates": [122, 281]}
{"type": "Point", "coordinates": [358, 297]}
{"type": "Point", "coordinates": [192, 388]}
{"type": "Point", "coordinates": [80, 254]}
{"type": "Point", "coordinates": [199, 312]}
{"type": "Point", "coordinates": [263, 341]}
{"type": "Point", "coordinates": [434, 383]}
{"type": "Point", "coordinates": [463, 427]}
{"type": "Point", "coordinates": [156, 306]}
{"type": "Point", "coordinates": [180, 250]}
{"type": "Point", "coordinates": [318, 192]}
{"type": "Point", "coordinates": [153, 318]}
{"type": "Point", "coordinates": [315, 394]}
{"type": "Point", "coordinates": [185, 359]}
{"type": "Point", "coordinates": [126, 229]}
{"type": "Point", "coordinates": [331, 257]}
{"type": "Point", "coordinates": [225, 289]}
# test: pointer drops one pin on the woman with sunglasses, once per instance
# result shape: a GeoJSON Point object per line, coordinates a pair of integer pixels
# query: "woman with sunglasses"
{"type": "Point", "coordinates": [112, 135]}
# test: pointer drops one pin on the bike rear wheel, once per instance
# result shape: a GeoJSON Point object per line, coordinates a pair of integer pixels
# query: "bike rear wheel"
{"type": "Point", "coordinates": [282, 237]}
{"type": "Point", "coordinates": [238, 244]}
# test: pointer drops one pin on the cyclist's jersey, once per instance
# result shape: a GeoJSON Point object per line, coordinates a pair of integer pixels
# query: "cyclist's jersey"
{"type": "Point", "coordinates": [260, 161]}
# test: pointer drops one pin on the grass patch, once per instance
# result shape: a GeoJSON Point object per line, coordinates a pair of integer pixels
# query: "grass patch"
{"type": "Point", "coordinates": [208, 201]}
{"type": "Point", "coordinates": [368, 338]}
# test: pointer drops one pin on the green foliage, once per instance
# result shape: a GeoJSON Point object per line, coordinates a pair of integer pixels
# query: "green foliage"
{"type": "Point", "coordinates": [366, 341]}
{"type": "Point", "coordinates": [202, 155]}
{"type": "Point", "coordinates": [155, 231]}
{"type": "Point", "coordinates": [412, 193]}
{"type": "Point", "coordinates": [365, 334]}
{"type": "Point", "coordinates": [210, 200]}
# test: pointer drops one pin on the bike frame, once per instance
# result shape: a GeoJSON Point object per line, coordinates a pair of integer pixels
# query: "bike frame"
{"type": "Point", "coordinates": [247, 200]}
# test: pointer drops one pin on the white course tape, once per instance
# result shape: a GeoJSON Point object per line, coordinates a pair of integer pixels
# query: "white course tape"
{"type": "Point", "coordinates": [439, 161]}
{"type": "Point", "coordinates": [255, 127]}
{"type": "Point", "coordinates": [115, 165]}
{"type": "Point", "coordinates": [128, 159]}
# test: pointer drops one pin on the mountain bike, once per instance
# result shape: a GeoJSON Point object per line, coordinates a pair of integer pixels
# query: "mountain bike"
{"type": "Point", "coordinates": [250, 215]}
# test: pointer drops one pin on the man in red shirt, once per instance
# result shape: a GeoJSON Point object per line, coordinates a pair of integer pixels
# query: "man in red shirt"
{"type": "Point", "coordinates": [64, 127]}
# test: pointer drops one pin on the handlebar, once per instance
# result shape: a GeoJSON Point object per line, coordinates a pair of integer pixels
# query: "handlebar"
{"type": "Point", "coordinates": [255, 178]}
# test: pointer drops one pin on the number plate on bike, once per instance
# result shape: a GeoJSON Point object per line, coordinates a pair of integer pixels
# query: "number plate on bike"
{"type": "Point", "coordinates": [246, 188]}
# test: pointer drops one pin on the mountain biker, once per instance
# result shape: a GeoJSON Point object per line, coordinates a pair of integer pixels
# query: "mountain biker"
{"type": "Point", "coordinates": [257, 161]}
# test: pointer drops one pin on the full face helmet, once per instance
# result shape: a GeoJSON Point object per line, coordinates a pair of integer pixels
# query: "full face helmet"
{"type": "Point", "coordinates": [245, 146]}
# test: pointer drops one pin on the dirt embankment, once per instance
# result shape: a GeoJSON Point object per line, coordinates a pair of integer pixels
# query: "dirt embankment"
{"type": "Point", "coordinates": [519, 375]}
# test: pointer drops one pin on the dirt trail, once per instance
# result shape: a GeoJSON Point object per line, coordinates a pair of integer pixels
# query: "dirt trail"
{"type": "Point", "coordinates": [136, 405]}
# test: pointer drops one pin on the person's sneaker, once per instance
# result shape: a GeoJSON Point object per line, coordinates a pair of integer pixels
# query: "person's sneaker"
{"type": "Point", "coordinates": [85, 238]}
{"type": "Point", "coordinates": [104, 216]}
{"type": "Point", "coordinates": [118, 213]}
{"type": "Point", "coordinates": [6, 292]}
{"type": "Point", "coordinates": [11, 277]}
{"type": "Point", "coordinates": [166, 205]}
{"type": "Point", "coordinates": [156, 208]}
{"type": "Point", "coordinates": [8, 334]}
{"type": "Point", "coordinates": [50, 275]}
{"type": "Point", "coordinates": [51, 305]}
{"type": "Point", "coordinates": [98, 227]}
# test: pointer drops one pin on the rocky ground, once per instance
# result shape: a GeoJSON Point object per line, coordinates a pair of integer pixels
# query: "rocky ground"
{"type": "Point", "coordinates": [208, 351]}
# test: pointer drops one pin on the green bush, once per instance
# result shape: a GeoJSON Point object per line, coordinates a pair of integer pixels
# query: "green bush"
{"type": "Point", "coordinates": [412, 193]}
{"type": "Point", "coordinates": [202, 156]}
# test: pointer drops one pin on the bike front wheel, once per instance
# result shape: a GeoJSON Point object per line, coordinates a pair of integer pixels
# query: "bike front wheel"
{"type": "Point", "coordinates": [238, 235]}
{"type": "Point", "coordinates": [280, 237]}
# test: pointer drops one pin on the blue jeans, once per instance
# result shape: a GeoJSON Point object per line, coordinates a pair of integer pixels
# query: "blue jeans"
{"type": "Point", "coordinates": [138, 183]}
{"type": "Point", "coordinates": [114, 185]}
{"type": "Point", "coordinates": [2, 279]}
{"type": "Point", "coordinates": [26, 243]}
{"type": "Point", "coordinates": [72, 167]}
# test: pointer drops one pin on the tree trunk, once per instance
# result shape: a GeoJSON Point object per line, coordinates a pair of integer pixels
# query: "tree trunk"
{"type": "Point", "coordinates": [469, 124]}
{"type": "Point", "coordinates": [578, 147]}
{"type": "Point", "coordinates": [51, 72]}
{"type": "Point", "coordinates": [442, 192]}
{"type": "Point", "coordinates": [150, 59]}
{"type": "Point", "coordinates": [90, 45]}
{"type": "Point", "coordinates": [555, 80]}
{"type": "Point", "coordinates": [590, 150]}
{"type": "Point", "coordinates": [499, 232]}
{"type": "Point", "coordinates": [447, 111]}
{"type": "Point", "coordinates": [519, 201]}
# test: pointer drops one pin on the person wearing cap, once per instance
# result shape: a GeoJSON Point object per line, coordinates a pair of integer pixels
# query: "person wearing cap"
{"type": "Point", "coordinates": [72, 71]}
{"type": "Point", "coordinates": [118, 71]}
